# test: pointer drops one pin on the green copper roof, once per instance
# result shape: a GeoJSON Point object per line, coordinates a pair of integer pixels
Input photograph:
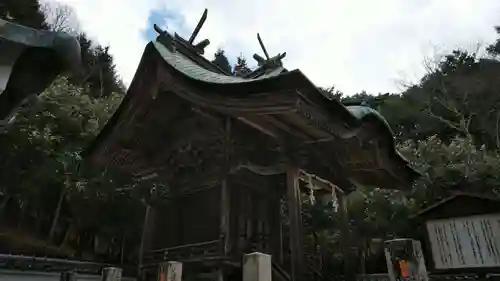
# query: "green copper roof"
{"type": "Point", "coordinates": [188, 67]}
{"type": "Point", "coordinates": [360, 112]}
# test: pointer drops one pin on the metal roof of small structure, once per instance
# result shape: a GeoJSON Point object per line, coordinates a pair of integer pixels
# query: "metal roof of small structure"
{"type": "Point", "coordinates": [456, 195]}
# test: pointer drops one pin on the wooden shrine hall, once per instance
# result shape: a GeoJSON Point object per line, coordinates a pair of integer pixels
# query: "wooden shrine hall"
{"type": "Point", "coordinates": [237, 151]}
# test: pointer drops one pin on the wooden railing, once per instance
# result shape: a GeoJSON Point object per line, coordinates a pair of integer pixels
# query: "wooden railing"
{"type": "Point", "coordinates": [19, 262]}
{"type": "Point", "coordinates": [17, 267]}
{"type": "Point", "coordinates": [184, 253]}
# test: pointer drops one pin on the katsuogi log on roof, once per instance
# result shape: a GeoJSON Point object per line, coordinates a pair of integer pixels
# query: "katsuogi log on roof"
{"type": "Point", "coordinates": [172, 119]}
{"type": "Point", "coordinates": [30, 60]}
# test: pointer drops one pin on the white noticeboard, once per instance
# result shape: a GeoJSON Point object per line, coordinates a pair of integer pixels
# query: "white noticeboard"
{"type": "Point", "coordinates": [466, 242]}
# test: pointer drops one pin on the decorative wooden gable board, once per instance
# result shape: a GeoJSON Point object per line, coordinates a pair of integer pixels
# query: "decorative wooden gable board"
{"type": "Point", "coordinates": [466, 242]}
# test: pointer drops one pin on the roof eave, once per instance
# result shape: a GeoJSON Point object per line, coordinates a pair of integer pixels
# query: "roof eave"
{"type": "Point", "coordinates": [293, 80]}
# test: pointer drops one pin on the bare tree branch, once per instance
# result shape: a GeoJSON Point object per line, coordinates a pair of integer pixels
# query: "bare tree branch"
{"type": "Point", "coordinates": [444, 121]}
{"type": "Point", "coordinates": [61, 17]}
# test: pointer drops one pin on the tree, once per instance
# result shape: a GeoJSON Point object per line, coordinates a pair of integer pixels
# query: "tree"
{"type": "Point", "coordinates": [241, 68]}
{"type": "Point", "coordinates": [494, 49]}
{"type": "Point", "coordinates": [221, 61]}
{"type": "Point", "coordinates": [460, 87]}
{"type": "Point", "coordinates": [41, 159]}
{"type": "Point", "coordinates": [102, 78]}
{"type": "Point", "coordinates": [60, 17]}
{"type": "Point", "coordinates": [48, 192]}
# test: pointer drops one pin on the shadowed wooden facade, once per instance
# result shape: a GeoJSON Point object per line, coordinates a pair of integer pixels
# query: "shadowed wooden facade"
{"type": "Point", "coordinates": [234, 150]}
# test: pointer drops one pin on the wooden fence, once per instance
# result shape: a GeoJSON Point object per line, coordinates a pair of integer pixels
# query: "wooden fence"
{"type": "Point", "coordinates": [26, 268]}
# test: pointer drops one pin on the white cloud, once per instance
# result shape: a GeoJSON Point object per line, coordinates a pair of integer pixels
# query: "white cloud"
{"type": "Point", "coordinates": [356, 45]}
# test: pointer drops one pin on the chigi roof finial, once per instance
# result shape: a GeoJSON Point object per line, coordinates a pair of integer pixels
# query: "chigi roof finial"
{"type": "Point", "coordinates": [198, 26]}
{"type": "Point", "coordinates": [199, 48]}
{"type": "Point", "coordinates": [271, 62]}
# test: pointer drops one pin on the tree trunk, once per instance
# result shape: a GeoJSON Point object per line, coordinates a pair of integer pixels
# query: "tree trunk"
{"type": "Point", "coordinates": [66, 236]}
{"type": "Point", "coordinates": [57, 212]}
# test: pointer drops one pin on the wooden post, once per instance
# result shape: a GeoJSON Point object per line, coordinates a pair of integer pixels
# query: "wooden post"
{"type": "Point", "coordinates": [280, 240]}
{"type": "Point", "coordinates": [111, 274]}
{"type": "Point", "coordinates": [224, 218]}
{"type": "Point", "coordinates": [277, 231]}
{"type": "Point", "coordinates": [219, 274]}
{"type": "Point", "coordinates": [122, 250]}
{"type": "Point", "coordinates": [257, 267]}
{"type": "Point", "coordinates": [225, 193]}
{"type": "Point", "coordinates": [143, 240]}
{"type": "Point", "coordinates": [170, 271]}
{"type": "Point", "coordinates": [405, 260]}
{"type": "Point", "coordinates": [345, 235]}
{"type": "Point", "coordinates": [294, 213]}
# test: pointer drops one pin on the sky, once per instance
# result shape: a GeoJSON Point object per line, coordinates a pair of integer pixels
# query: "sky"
{"type": "Point", "coordinates": [353, 45]}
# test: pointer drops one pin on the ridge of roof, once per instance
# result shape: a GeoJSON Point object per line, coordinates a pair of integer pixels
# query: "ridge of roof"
{"type": "Point", "coordinates": [185, 64]}
{"type": "Point", "coordinates": [454, 195]}
{"type": "Point", "coordinates": [195, 52]}
{"type": "Point", "coordinates": [186, 50]}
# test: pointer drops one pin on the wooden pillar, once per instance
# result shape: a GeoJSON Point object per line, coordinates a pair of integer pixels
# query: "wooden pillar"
{"type": "Point", "coordinates": [225, 201]}
{"type": "Point", "coordinates": [224, 217]}
{"type": "Point", "coordinates": [280, 240]}
{"type": "Point", "coordinates": [144, 235]}
{"type": "Point", "coordinates": [219, 274]}
{"type": "Point", "coordinates": [178, 215]}
{"type": "Point", "coordinates": [111, 274]}
{"type": "Point", "coordinates": [345, 236]}
{"type": "Point", "coordinates": [277, 230]}
{"type": "Point", "coordinates": [294, 214]}
{"type": "Point", "coordinates": [257, 267]}
{"type": "Point", "coordinates": [170, 271]}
